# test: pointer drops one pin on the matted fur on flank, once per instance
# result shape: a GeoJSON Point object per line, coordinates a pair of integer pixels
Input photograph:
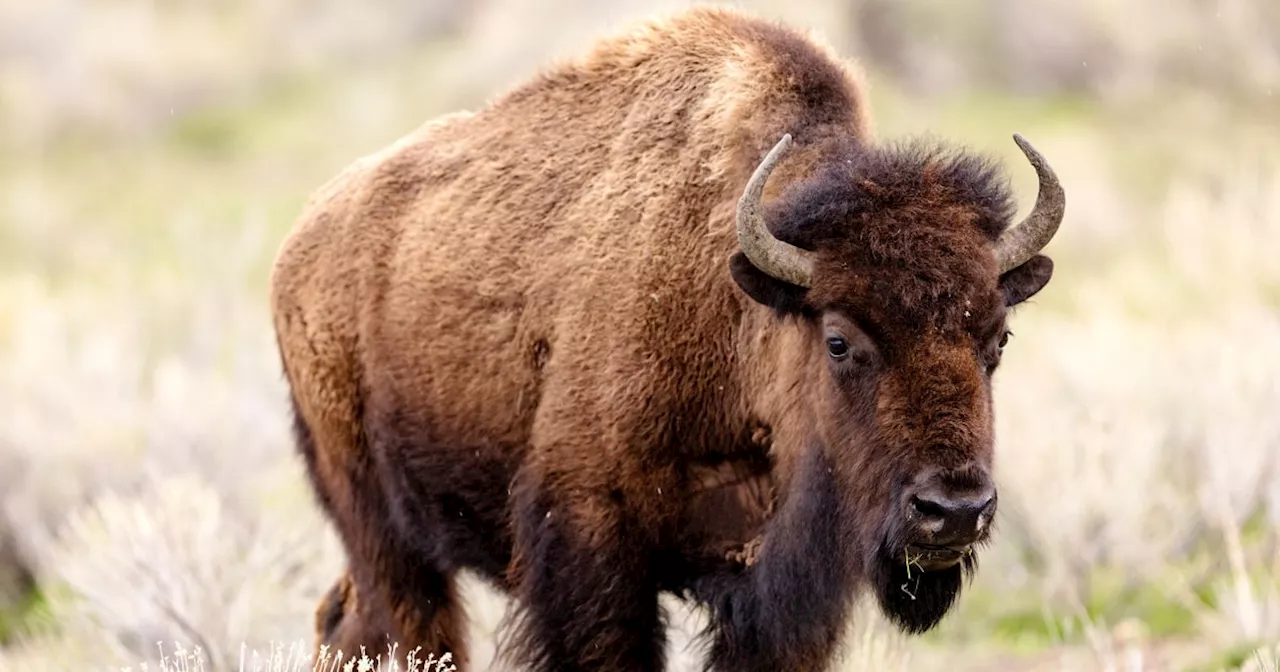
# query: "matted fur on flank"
{"type": "Point", "coordinates": [664, 318]}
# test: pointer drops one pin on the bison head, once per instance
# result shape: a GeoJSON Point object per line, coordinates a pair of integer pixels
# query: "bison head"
{"type": "Point", "coordinates": [899, 265]}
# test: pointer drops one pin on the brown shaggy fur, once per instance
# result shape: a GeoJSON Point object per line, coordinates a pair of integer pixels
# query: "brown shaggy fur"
{"type": "Point", "coordinates": [522, 341]}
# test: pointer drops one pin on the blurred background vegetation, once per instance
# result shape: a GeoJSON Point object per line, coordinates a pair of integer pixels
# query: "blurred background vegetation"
{"type": "Point", "coordinates": [153, 153]}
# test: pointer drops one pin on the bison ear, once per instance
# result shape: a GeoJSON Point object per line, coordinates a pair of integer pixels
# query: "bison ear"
{"type": "Point", "coordinates": [1026, 280]}
{"type": "Point", "coordinates": [784, 297]}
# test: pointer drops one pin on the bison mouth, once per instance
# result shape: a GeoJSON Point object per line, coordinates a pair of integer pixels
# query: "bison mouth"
{"type": "Point", "coordinates": [917, 585]}
{"type": "Point", "coordinates": [930, 558]}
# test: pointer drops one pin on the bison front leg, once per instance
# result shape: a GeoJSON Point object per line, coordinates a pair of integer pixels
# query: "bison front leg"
{"type": "Point", "coordinates": [581, 575]}
{"type": "Point", "coordinates": [787, 609]}
{"type": "Point", "coordinates": [347, 621]}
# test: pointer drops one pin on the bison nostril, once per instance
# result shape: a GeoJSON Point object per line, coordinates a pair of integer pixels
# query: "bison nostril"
{"type": "Point", "coordinates": [928, 508]}
{"type": "Point", "coordinates": [988, 505]}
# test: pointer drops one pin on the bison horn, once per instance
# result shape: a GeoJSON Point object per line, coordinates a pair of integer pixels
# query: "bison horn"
{"type": "Point", "coordinates": [1018, 244]}
{"type": "Point", "coordinates": [780, 260]}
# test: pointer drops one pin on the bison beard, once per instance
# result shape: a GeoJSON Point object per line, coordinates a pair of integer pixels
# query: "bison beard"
{"type": "Point", "coordinates": [913, 599]}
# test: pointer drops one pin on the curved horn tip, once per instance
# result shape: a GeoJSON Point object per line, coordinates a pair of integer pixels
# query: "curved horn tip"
{"type": "Point", "coordinates": [1028, 237]}
{"type": "Point", "coordinates": [1033, 155]}
{"type": "Point", "coordinates": [783, 145]}
{"type": "Point", "coordinates": [772, 256]}
{"type": "Point", "coordinates": [1053, 197]}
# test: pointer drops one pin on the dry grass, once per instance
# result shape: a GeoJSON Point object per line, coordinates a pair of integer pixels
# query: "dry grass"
{"type": "Point", "coordinates": [145, 468]}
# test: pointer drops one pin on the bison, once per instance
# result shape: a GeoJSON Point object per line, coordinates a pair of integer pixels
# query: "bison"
{"type": "Point", "coordinates": [665, 318]}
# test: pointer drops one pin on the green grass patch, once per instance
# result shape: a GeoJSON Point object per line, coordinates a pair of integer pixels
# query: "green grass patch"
{"type": "Point", "coordinates": [30, 612]}
{"type": "Point", "coordinates": [1026, 630]}
{"type": "Point", "coordinates": [1019, 622]}
{"type": "Point", "coordinates": [1231, 658]}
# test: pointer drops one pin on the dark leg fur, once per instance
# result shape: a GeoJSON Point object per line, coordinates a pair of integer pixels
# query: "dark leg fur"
{"type": "Point", "coordinates": [334, 606]}
{"type": "Point", "coordinates": [589, 596]}
{"type": "Point", "coordinates": [389, 594]}
{"type": "Point", "coordinates": [348, 619]}
{"type": "Point", "coordinates": [788, 610]}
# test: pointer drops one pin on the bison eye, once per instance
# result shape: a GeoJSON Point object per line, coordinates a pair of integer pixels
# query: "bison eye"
{"type": "Point", "coordinates": [837, 347]}
{"type": "Point", "coordinates": [1004, 339]}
